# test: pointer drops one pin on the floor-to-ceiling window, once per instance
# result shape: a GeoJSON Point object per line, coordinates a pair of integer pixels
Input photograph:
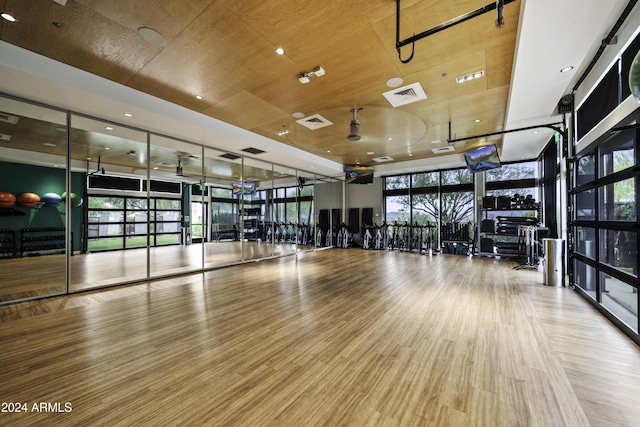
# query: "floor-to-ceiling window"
{"type": "Point", "coordinates": [118, 222]}
{"type": "Point", "coordinates": [605, 255]}
{"type": "Point", "coordinates": [442, 202]}
{"type": "Point", "coordinates": [438, 205]}
{"type": "Point", "coordinates": [604, 211]}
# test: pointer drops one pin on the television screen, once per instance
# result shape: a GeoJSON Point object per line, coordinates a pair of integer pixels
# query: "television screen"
{"type": "Point", "coordinates": [242, 188]}
{"type": "Point", "coordinates": [483, 158]}
{"type": "Point", "coordinates": [359, 174]}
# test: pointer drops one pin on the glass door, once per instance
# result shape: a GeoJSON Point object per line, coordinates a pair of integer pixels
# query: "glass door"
{"type": "Point", "coordinates": [199, 221]}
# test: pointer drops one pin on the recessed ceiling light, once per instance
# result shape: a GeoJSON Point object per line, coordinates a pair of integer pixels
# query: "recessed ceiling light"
{"type": "Point", "coordinates": [151, 35]}
{"type": "Point", "coordinates": [283, 132]}
{"type": "Point", "coordinates": [535, 131]}
{"type": "Point", "coordinates": [389, 139]}
{"type": "Point", "coordinates": [108, 128]}
{"type": "Point", "coordinates": [198, 96]}
{"type": "Point", "coordinates": [395, 82]}
{"type": "Point", "coordinates": [410, 155]}
{"type": "Point", "coordinates": [567, 69]}
{"type": "Point", "coordinates": [477, 120]}
{"type": "Point", "coordinates": [328, 151]}
{"type": "Point", "coordinates": [8, 17]}
{"type": "Point", "coordinates": [370, 153]}
{"type": "Point", "coordinates": [107, 148]}
{"type": "Point", "coordinates": [128, 114]}
{"type": "Point", "coordinates": [280, 51]}
{"type": "Point", "coordinates": [298, 115]}
{"type": "Point", "coordinates": [470, 76]}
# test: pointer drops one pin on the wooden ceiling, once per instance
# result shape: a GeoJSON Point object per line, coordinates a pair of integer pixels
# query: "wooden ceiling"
{"type": "Point", "coordinates": [224, 50]}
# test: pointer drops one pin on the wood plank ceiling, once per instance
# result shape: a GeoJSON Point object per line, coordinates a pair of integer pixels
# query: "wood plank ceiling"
{"type": "Point", "coordinates": [224, 51]}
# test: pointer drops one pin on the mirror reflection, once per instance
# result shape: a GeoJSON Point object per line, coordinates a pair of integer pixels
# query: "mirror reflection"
{"type": "Point", "coordinates": [33, 202]}
{"type": "Point", "coordinates": [107, 204]}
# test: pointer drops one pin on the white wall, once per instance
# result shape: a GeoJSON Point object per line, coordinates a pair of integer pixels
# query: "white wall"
{"type": "Point", "coordinates": [328, 196]}
{"type": "Point", "coordinates": [364, 196]}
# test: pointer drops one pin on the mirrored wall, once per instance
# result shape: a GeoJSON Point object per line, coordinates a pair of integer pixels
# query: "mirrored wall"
{"type": "Point", "coordinates": [87, 203]}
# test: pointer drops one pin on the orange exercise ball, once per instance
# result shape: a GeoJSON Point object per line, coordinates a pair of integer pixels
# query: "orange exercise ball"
{"type": "Point", "coordinates": [28, 200]}
{"type": "Point", "coordinates": [7, 199]}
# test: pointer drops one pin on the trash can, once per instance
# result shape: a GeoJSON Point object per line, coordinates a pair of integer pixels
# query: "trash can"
{"type": "Point", "coordinates": [553, 265]}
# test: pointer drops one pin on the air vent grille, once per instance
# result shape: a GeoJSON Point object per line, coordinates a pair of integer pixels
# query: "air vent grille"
{"type": "Point", "coordinates": [314, 122]}
{"type": "Point", "coordinates": [230, 156]}
{"type": "Point", "coordinates": [405, 95]}
{"type": "Point", "coordinates": [8, 118]}
{"type": "Point", "coordinates": [252, 150]}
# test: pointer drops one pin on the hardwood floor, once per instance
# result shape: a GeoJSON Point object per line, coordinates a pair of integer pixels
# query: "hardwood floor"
{"type": "Point", "coordinates": [44, 275]}
{"type": "Point", "coordinates": [337, 337]}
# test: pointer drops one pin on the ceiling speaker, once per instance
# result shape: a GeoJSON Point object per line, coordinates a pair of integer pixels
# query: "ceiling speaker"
{"type": "Point", "coordinates": [354, 135]}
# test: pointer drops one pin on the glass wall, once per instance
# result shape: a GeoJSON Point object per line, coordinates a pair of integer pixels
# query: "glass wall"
{"type": "Point", "coordinates": [441, 204]}
{"type": "Point", "coordinates": [605, 250]}
{"type": "Point", "coordinates": [107, 204]}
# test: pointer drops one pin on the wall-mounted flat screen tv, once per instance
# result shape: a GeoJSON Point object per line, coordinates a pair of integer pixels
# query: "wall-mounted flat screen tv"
{"type": "Point", "coordinates": [483, 158]}
{"type": "Point", "coordinates": [243, 188]}
{"type": "Point", "coordinates": [358, 174]}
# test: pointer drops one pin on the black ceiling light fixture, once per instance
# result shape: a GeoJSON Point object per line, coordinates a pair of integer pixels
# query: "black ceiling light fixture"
{"type": "Point", "coordinates": [179, 168]}
{"type": "Point", "coordinates": [355, 126]}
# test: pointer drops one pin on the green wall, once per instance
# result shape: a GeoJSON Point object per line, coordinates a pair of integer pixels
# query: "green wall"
{"type": "Point", "coordinates": [19, 178]}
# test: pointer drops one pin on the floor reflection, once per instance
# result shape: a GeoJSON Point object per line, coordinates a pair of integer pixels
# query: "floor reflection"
{"type": "Point", "coordinates": [30, 277]}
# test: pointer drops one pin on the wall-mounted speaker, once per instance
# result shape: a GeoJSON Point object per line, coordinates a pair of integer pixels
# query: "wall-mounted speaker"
{"type": "Point", "coordinates": [565, 105]}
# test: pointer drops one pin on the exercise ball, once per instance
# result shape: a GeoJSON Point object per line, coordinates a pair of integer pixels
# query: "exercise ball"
{"type": "Point", "coordinates": [51, 200]}
{"type": "Point", "coordinates": [634, 77]}
{"type": "Point", "coordinates": [7, 199]}
{"type": "Point", "coordinates": [28, 200]}
{"type": "Point", "coordinates": [74, 200]}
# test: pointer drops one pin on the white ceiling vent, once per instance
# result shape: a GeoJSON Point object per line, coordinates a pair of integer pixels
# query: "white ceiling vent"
{"type": "Point", "coordinates": [441, 150]}
{"type": "Point", "coordinates": [314, 122]}
{"type": "Point", "coordinates": [5, 138]}
{"type": "Point", "coordinates": [8, 118]}
{"type": "Point", "coordinates": [405, 95]}
{"type": "Point", "coordinates": [382, 159]}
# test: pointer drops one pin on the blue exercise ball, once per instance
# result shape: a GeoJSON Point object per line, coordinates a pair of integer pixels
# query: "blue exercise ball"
{"type": "Point", "coordinates": [51, 200]}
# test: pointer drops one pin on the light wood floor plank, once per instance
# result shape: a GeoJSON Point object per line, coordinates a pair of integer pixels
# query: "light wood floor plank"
{"type": "Point", "coordinates": [339, 337]}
